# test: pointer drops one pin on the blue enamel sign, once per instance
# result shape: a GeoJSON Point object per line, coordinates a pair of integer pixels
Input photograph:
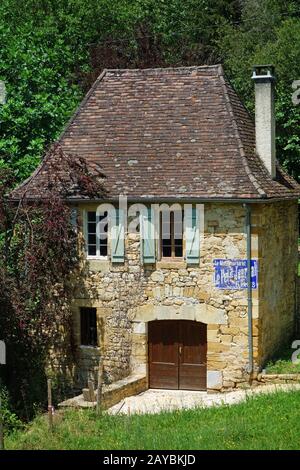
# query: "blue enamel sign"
{"type": "Point", "coordinates": [232, 273]}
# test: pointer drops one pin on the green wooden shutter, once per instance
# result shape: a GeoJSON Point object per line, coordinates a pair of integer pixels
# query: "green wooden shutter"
{"type": "Point", "coordinates": [192, 235]}
{"type": "Point", "coordinates": [117, 238]}
{"type": "Point", "coordinates": [148, 239]}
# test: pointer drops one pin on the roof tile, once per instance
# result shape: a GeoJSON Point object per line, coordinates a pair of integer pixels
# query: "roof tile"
{"type": "Point", "coordinates": [167, 133]}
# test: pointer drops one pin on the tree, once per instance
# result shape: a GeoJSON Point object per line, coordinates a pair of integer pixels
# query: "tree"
{"type": "Point", "coordinates": [40, 256]}
{"type": "Point", "coordinates": [52, 50]}
{"type": "Point", "coordinates": [267, 35]}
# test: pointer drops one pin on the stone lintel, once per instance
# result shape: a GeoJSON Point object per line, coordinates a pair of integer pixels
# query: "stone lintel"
{"type": "Point", "coordinates": [197, 312]}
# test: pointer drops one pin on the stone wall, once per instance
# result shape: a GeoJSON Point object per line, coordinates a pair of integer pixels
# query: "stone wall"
{"type": "Point", "coordinates": [267, 379]}
{"type": "Point", "coordinates": [278, 243]}
{"type": "Point", "coordinates": [127, 296]}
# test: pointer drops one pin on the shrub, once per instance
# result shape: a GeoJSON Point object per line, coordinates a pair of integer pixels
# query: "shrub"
{"type": "Point", "coordinates": [10, 420]}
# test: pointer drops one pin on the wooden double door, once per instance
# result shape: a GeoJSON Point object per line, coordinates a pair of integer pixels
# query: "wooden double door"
{"type": "Point", "coordinates": [177, 354]}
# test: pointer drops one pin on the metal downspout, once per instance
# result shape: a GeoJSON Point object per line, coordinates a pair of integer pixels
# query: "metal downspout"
{"type": "Point", "coordinates": [249, 287]}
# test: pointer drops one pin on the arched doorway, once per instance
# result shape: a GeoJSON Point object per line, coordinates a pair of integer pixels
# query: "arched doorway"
{"type": "Point", "coordinates": [177, 354]}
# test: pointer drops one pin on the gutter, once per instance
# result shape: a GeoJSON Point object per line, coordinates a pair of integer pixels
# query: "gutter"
{"type": "Point", "coordinates": [249, 287]}
{"type": "Point", "coordinates": [183, 199]}
{"type": "Point", "coordinates": [162, 199]}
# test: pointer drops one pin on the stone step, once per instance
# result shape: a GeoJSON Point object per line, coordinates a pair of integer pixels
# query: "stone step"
{"type": "Point", "coordinates": [111, 394]}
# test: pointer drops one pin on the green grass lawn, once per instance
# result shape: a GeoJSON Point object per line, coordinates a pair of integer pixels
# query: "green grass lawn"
{"type": "Point", "coordinates": [264, 422]}
{"type": "Point", "coordinates": [282, 364]}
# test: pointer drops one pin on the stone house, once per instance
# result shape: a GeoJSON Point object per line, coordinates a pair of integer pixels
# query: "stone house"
{"type": "Point", "coordinates": [202, 307]}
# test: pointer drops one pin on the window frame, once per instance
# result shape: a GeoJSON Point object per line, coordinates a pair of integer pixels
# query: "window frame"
{"type": "Point", "coordinates": [97, 256]}
{"type": "Point", "coordinates": [87, 329]}
{"type": "Point", "coordinates": [172, 230]}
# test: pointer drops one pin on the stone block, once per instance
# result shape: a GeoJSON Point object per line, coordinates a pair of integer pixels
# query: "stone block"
{"type": "Point", "coordinates": [228, 330]}
{"type": "Point", "coordinates": [238, 322]}
{"type": "Point", "coordinates": [98, 266]}
{"type": "Point", "coordinates": [158, 292]}
{"type": "Point", "coordinates": [144, 313]}
{"type": "Point", "coordinates": [188, 291]}
{"type": "Point", "coordinates": [157, 276]}
{"type": "Point", "coordinates": [218, 365]}
{"type": "Point", "coordinates": [139, 349]}
{"type": "Point", "coordinates": [217, 347]}
{"type": "Point", "coordinates": [211, 326]}
{"type": "Point", "coordinates": [226, 339]}
{"type": "Point", "coordinates": [164, 312]}
{"type": "Point", "coordinates": [139, 327]}
{"type": "Point", "coordinates": [187, 312]}
{"type": "Point", "coordinates": [213, 335]}
{"type": "Point", "coordinates": [214, 379]}
{"type": "Point", "coordinates": [209, 314]}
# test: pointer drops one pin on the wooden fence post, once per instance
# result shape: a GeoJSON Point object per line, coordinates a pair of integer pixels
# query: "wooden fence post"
{"type": "Point", "coordinates": [99, 385]}
{"type": "Point", "coordinates": [1, 424]}
{"type": "Point", "coordinates": [100, 366]}
{"type": "Point", "coordinates": [91, 387]}
{"type": "Point", "coordinates": [50, 407]}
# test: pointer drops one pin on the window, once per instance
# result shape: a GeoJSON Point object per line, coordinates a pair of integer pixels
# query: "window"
{"type": "Point", "coordinates": [88, 326]}
{"type": "Point", "coordinates": [171, 234]}
{"type": "Point", "coordinates": [96, 232]}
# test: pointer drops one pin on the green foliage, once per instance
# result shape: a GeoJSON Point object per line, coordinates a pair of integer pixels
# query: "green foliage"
{"type": "Point", "coordinates": [266, 422]}
{"type": "Point", "coordinates": [39, 253]}
{"type": "Point", "coordinates": [36, 65]}
{"type": "Point", "coordinates": [267, 35]}
{"type": "Point", "coordinates": [52, 50]}
{"type": "Point", "coordinates": [282, 363]}
{"type": "Point", "coordinates": [10, 420]}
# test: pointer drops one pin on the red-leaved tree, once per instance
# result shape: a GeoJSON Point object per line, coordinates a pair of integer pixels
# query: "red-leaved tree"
{"type": "Point", "coordinates": [39, 258]}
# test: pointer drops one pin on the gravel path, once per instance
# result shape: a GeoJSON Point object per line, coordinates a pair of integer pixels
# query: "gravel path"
{"type": "Point", "coordinates": [154, 401]}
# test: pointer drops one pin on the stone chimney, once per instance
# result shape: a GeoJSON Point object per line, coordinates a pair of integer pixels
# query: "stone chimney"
{"type": "Point", "coordinates": [263, 76]}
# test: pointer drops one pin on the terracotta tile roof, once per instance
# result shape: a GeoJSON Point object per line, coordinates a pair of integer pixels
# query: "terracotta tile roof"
{"type": "Point", "coordinates": [165, 133]}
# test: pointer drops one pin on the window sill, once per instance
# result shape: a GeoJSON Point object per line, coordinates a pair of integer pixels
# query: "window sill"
{"type": "Point", "coordinates": [98, 264]}
{"type": "Point", "coordinates": [171, 264]}
{"type": "Point", "coordinates": [89, 351]}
